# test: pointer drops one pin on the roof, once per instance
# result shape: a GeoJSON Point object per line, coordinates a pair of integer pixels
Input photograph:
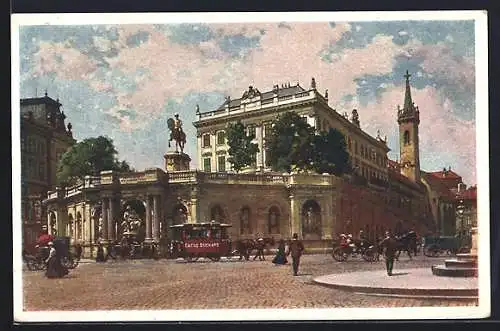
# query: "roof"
{"type": "Point", "coordinates": [280, 91]}
{"type": "Point", "coordinates": [446, 174]}
{"type": "Point", "coordinates": [42, 100]}
{"type": "Point", "coordinates": [396, 175]}
{"type": "Point", "coordinates": [437, 184]}
{"type": "Point", "coordinates": [468, 194]}
{"type": "Point", "coordinates": [393, 165]}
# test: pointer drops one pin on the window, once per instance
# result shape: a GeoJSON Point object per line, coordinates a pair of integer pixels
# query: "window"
{"type": "Point", "coordinates": [41, 171]}
{"type": "Point", "coordinates": [251, 130]}
{"type": "Point", "coordinates": [207, 164]}
{"type": "Point", "coordinates": [268, 158]}
{"type": "Point", "coordinates": [23, 143]}
{"type": "Point", "coordinates": [406, 137]}
{"type": "Point", "coordinates": [221, 138]}
{"type": "Point", "coordinates": [221, 160]}
{"type": "Point", "coordinates": [349, 142]}
{"type": "Point", "coordinates": [362, 151]}
{"type": "Point", "coordinates": [206, 140]}
{"type": "Point", "coordinates": [267, 130]}
{"type": "Point", "coordinates": [356, 147]}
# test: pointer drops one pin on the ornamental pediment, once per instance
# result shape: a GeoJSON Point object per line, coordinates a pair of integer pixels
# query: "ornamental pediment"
{"type": "Point", "coordinates": [251, 93]}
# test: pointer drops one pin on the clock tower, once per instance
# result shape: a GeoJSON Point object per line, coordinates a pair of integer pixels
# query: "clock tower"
{"type": "Point", "coordinates": [408, 120]}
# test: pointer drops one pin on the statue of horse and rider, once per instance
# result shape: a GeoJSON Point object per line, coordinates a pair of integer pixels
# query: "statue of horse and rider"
{"type": "Point", "coordinates": [176, 133]}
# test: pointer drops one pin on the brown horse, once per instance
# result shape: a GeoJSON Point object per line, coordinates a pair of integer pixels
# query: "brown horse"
{"type": "Point", "coordinates": [245, 247]}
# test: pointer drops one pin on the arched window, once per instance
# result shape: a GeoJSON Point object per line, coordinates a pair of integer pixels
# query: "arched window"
{"type": "Point", "coordinates": [406, 137]}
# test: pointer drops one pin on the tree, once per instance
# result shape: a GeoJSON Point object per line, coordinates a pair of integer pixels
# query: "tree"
{"type": "Point", "coordinates": [89, 157]}
{"type": "Point", "coordinates": [290, 144]}
{"type": "Point", "coordinates": [242, 151]}
{"type": "Point", "coordinates": [330, 153]}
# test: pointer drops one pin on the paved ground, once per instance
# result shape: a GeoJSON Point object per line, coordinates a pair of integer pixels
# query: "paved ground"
{"type": "Point", "coordinates": [406, 282]}
{"type": "Point", "coordinates": [168, 284]}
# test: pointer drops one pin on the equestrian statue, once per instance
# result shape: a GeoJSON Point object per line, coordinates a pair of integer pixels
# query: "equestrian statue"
{"type": "Point", "coordinates": [176, 133]}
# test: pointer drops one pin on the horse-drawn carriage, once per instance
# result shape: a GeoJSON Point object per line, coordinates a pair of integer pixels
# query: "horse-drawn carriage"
{"type": "Point", "coordinates": [63, 250]}
{"type": "Point", "coordinates": [194, 240]}
{"type": "Point", "coordinates": [444, 245]}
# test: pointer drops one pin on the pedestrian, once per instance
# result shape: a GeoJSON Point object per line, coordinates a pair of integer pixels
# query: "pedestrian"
{"type": "Point", "coordinates": [260, 250]}
{"type": "Point", "coordinates": [389, 244]}
{"type": "Point", "coordinates": [295, 249]}
{"type": "Point", "coordinates": [78, 251]}
{"type": "Point", "coordinates": [100, 254]}
{"type": "Point", "coordinates": [280, 257]}
{"type": "Point", "coordinates": [55, 268]}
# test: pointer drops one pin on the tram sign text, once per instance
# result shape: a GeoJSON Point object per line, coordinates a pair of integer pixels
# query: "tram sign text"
{"type": "Point", "coordinates": [201, 244]}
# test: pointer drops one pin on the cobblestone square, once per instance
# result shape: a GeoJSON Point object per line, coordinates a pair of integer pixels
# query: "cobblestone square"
{"type": "Point", "coordinates": [170, 284]}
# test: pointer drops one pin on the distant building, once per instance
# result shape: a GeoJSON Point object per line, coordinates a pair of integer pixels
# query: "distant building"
{"type": "Point", "coordinates": [44, 139]}
{"type": "Point", "coordinates": [379, 195]}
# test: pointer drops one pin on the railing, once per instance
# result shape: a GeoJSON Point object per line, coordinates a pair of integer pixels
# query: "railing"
{"type": "Point", "coordinates": [183, 176]}
{"type": "Point", "coordinates": [138, 177]}
{"type": "Point", "coordinates": [293, 97]}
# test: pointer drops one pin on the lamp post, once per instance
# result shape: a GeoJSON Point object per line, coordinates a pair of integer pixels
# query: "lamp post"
{"type": "Point", "coordinates": [460, 217]}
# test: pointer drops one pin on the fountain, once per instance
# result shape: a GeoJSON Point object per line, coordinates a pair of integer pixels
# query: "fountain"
{"type": "Point", "coordinates": [464, 265]}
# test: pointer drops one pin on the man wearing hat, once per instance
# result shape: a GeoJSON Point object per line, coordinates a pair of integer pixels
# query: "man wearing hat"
{"type": "Point", "coordinates": [260, 249]}
{"type": "Point", "coordinates": [389, 244]}
{"type": "Point", "coordinates": [295, 249]}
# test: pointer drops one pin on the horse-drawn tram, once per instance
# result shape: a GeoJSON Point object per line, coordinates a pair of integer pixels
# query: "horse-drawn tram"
{"type": "Point", "coordinates": [194, 240]}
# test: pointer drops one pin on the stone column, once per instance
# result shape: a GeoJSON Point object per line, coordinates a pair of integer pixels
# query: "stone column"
{"type": "Point", "coordinates": [260, 140]}
{"type": "Point", "coordinates": [327, 219]}
{"type": "Point", "coordinates": [148, 238]}
{"type": "Point", "coordinates": [194, 206]}
{"type": "Point", "coordinates": [105, 227]}
{"type": "Point", "coordinates": [111, 220]}
{"type": "Point", "coordinates": [199, 139]}
{"type": "Point", "coordinates": [295, 217]}
{"type": "Point", "coordinates": [156, 215]}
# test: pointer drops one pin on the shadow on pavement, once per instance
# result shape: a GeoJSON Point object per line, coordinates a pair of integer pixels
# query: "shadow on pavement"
{"type": "Point", "coordinates": [400, 273]}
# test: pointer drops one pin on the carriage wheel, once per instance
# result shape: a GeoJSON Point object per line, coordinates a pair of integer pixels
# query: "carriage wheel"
{"type": "Point", "coordinates": [369, 255]}
{"type": "Point", "coordinates": [32, 265]}
{"type": "Point", "coordinates": [339, 255]}
{"type": "Point", "coordinates": [191, 258]}
{"type": "Point", "coordinates": [214, 258]}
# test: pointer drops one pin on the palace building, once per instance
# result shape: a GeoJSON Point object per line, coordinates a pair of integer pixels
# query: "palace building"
{"type": "Point", "coordinates": [44, 139]}
{"type": "Point", "coordinates": [380, 194]}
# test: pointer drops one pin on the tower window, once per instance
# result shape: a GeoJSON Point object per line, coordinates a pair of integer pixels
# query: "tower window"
{"type": "Point", "coordinates": [406, 137]}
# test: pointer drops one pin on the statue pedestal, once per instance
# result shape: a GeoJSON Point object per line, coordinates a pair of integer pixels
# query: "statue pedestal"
{"type": "Point", "coordinates": [473, 249]}
{"type": "Point", "coordinates": [176, 161]}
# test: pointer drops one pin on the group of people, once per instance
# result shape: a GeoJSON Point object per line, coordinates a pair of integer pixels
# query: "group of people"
{"type": "Point", "coordinates": [388, 245]}
{"type": "Point", "coordinates": [295, 248]}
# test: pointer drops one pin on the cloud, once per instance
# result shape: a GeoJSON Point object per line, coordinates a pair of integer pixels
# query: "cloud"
{"type": "Point", "coordinates": [134, 76]}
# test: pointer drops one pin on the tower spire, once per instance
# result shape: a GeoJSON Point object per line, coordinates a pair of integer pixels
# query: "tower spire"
{"type": "Point", "coordinates": [408, 102]}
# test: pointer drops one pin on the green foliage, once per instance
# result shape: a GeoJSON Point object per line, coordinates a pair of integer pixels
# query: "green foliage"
{"type": "Point", "coordinates": [290, 145]}
{"type": "Point", "coordinates": [89, 157]}
{"type": "Point", "coordinates": [330, 153]}
{"type": "Point", "coordinates": [294, 146]}
{"type": "Point", "coordinates": [242, 151]}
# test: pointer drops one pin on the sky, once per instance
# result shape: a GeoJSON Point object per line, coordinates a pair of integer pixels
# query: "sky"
{"type": "Point", "coordinates": [125, 81]}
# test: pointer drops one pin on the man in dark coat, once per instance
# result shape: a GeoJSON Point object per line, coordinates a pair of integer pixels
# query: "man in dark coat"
{"type": "Point", "coordinates": [260, 250]}
{"type": "Point", "coordinates": [389, 244]}
{"type": "Point", "coordinates": [295, 249]}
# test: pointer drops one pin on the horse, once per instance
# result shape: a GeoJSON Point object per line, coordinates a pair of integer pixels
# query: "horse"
{"type": "Point", "coordinates": [407, 242]}
{"type": "Point", "coordinates": [180, 139]}
{"type": "Point", "coordinates": [245, 247]}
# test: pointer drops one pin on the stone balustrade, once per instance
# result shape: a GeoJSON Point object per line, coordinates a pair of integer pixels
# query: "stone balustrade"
{"type": "Point", "coordinates": [191, 176]}
{"type": "Point", "coordinates": [262, 104]}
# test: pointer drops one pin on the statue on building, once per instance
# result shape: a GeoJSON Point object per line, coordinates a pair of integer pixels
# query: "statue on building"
{"type": "Point", "coordinates": [70, 127]}
{"type": "Point", "coordinates": [313, 83]}
{"type": "Point", "coordinates": [198, 110]}
{"type": "Point", "coordinates": [176, 133]}
{"type": "Point", "coordinates": [131, 222]}
{"type": "Point", "coordinates": [355, 117]}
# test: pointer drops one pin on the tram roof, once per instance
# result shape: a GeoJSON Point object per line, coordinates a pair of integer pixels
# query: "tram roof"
{"type": "Point", "coordinates": [202, 224]}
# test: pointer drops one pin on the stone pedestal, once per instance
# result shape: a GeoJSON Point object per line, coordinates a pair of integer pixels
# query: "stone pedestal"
{"type": "Point", "coordinates": [473, 249]}
{"type": "Point", "coordinates": [465, 265]}
{"type": "Point", "coordinates": [176, 161]}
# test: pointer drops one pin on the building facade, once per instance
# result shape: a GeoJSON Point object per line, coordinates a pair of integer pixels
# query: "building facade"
{"type": "Point", "coordinates": [378, 195]}
{"type": "Point", "coordinates": [44, 139]}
